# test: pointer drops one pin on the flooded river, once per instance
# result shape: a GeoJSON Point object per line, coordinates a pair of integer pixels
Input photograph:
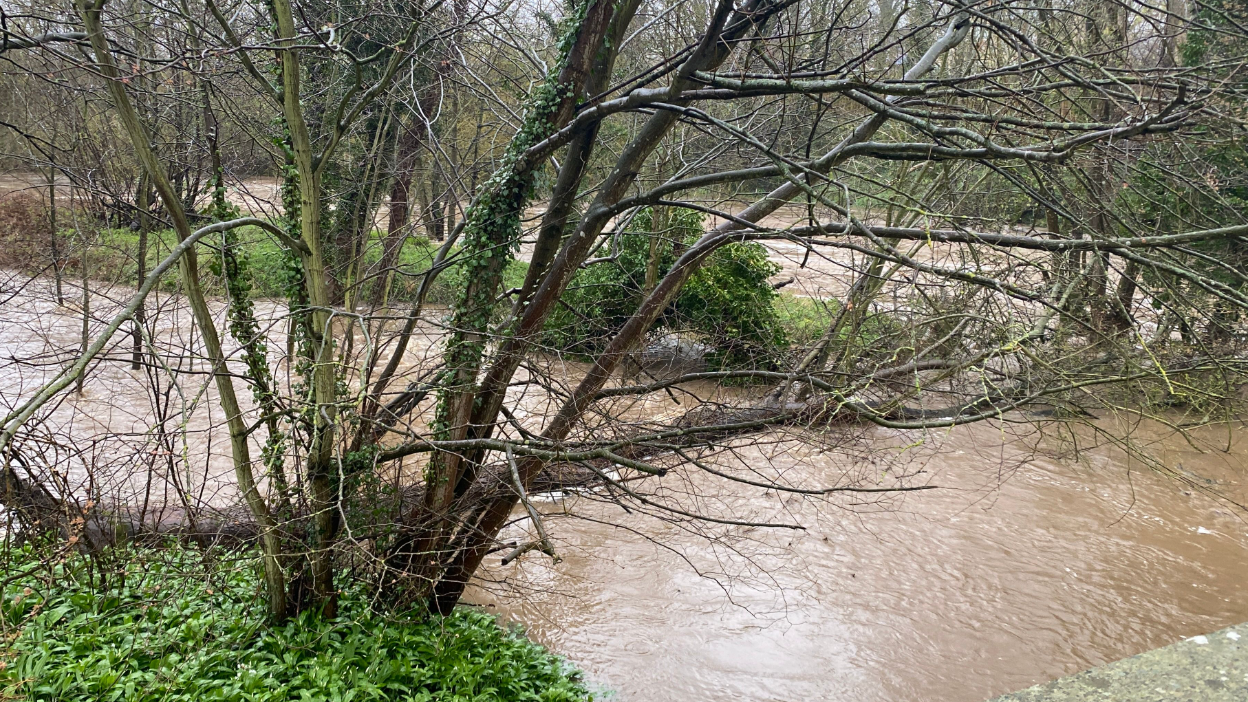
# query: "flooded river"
{"type": "Point", "coordinates": [1022, 569]}
{"type": "Point", "coordinates": [1032, 561]}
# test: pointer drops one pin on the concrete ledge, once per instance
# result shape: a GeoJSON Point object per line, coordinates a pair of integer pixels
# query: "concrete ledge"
{"type": "Point", "coordinates": [1210, 668]}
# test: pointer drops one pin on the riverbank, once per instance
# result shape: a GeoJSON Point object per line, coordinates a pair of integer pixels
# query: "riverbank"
{"type": "Point", "coordinates": [176, 625]}
{"type": "Point", "coordinates": [1210, 668]}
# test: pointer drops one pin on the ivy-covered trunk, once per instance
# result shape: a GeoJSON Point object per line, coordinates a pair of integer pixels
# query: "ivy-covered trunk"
{"type": "Point", "coordinates": [490, 240]}
{"type": "Point", "coordinates": [316, 321]}
{"type": "Point", "coordinates": [138, 133]}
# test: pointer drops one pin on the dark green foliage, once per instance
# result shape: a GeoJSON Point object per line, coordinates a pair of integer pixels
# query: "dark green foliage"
{"type": "Point", "coordinates": [1214, 194]}
{"type": "Point", "coordinates": [730, 303]}
{"type": "Point", "coordinates": [727, 304]}
{"type": "Point", "coordinates": [174, 626]}
{"type": "Point", "coordinates": [1210, 40]}
{"type": "Point", "coordinates": [1201, 182]}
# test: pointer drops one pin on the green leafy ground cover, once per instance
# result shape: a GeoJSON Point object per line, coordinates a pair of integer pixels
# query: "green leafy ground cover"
{"type": "Point", "coordinates": [172, 625]}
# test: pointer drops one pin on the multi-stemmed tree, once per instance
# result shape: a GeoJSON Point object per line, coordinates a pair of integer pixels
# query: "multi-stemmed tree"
{"type": "Point", "coordinates": [916, 149]}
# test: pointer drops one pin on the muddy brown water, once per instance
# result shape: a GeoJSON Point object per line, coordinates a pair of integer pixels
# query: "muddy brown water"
{"type": "Point", "coordinates": [1022, 569]}
{"type": "Point", "coordinates": [1026, 565]}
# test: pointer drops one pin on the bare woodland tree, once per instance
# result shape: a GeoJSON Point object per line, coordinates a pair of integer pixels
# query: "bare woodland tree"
{"type": "Point", "coordinates": [1012, 207]}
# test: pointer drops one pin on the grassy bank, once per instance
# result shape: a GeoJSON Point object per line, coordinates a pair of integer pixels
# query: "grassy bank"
{"type": "Point", "coordinates": [729, 304]}
{"type": "Point", "coordinates": [112, 255]}
{"type": "Point", "coordinates": [115, 256]}
{"type": "Point", "coordinates": [175, 625]}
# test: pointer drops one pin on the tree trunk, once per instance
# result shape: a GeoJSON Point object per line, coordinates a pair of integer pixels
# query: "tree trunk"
{"type": "Point", "coordinates": [189, 269]}
{"type": "Point", "coordinates": [142, 203]}
{"type": "Point", "coordinates": [86, 300]}
{"type": "Point", "coordinates": [406, 160]}
{"type": "Point", "coordinates": [658, 230]}
{"type": "Point", "coordinates": [52, 233]}
{"type": "Point", "coordinates": [435, 221]}
{"type": "Point", "coordinates": [320, 465]}
{"type": "Point", "coordinates": [1108, 26]}
{"type": "Point", "coordinates": [490, 238]}
{"type": "Point", "coordinates": [1124, 298]}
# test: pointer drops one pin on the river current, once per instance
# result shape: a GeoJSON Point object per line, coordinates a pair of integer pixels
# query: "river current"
{"type": "Point", "coordinates": [1037, 557]}
{"type": "Point", "coordinates": [1022, 568]}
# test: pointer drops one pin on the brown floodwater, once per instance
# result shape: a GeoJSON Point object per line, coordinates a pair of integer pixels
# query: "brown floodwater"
{"type": "Point", "coordinates": [1022, 569]}
{"type": "Point", "coordinates": [1031, 561]}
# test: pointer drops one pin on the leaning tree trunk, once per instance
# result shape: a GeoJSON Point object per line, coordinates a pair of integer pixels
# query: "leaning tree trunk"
{"type": "Point", "coordinates": [490, 236]}
{"type": "Point", "coordinates": [468, 553]}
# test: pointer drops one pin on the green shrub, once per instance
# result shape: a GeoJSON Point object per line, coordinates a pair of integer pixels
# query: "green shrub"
{"type": "Point", "coordinates": [727, 303]}
{"type": "Point", "coordinates": [172, 625]}
{"type": "Point", "coordinates": [730, 302]}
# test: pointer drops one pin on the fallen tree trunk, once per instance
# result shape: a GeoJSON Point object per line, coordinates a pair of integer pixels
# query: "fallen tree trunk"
{"type": "Point", "coordinates": [93, 525]}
